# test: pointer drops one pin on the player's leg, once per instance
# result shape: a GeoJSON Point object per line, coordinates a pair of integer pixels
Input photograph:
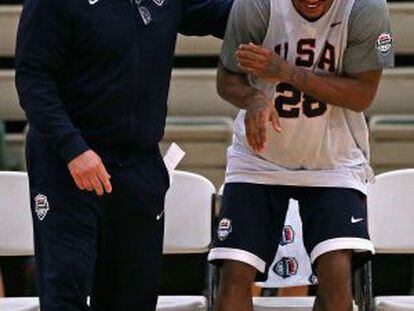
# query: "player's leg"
{"type": "Point", "coordinates": [334, 223]}
{"type": "Point", "coordinates": [334, 281]}
{"type": "Point", "coordinates": [249, 230]}
{"type": "Point", "coordinates": [131, 238]}
{"type": "Point", "coordinates": [235, 288]}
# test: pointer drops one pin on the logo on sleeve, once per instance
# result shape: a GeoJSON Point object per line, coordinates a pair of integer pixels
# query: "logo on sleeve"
{"type": "Point", "coordinates": [41, 206]}
{"type": "Point", "coordinates": [224, 229]}
{"type": "Point", "coordinates": [92, 2]}
{"type": "Point", "coordinates": [384, 43]}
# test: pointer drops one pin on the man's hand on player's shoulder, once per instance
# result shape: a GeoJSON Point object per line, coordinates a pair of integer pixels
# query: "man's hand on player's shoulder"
{"type": "Point", "coordinates": [89, 173]}
{"type": "Point", "coordinates": [262, 63]}
{"type": "Point", "coordinates": [259, 113]}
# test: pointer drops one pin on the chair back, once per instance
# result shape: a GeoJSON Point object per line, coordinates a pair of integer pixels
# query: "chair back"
{"type": "Point", "coordinates": [391, 212]}
{"type": "Point", "coordinates": [16, 231]}
{"type": "Point", "coordinates": [188, 214]}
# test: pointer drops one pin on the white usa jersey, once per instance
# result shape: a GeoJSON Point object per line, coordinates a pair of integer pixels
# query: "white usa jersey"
{"type": "Point", "coordinates": [321, 144]}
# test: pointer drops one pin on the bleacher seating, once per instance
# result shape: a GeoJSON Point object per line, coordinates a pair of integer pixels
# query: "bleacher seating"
{"type": "Point", "coordinates": [395, 94]}
{"type": "Point", "coordinates": [9, 15]}
{"type": "Point", "coordinates": [392, 142]}
{"type": "Point", "coordinates": [205, 140]}
{"type": "Point", "coordinates": [402, 18]}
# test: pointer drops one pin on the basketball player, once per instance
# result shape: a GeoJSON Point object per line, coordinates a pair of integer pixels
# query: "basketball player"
{"type": "Point", "coordinates": [301, 72]}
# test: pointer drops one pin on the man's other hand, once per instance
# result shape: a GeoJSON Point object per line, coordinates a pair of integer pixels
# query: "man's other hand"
{"type": "Point", "coordinates": [89, 173]}
{"type": "Point", "coordinates": [258, 114]}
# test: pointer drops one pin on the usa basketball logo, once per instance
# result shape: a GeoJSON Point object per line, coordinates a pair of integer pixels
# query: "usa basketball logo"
{"type": "Point", "coordinates": [286, 267]}
{"type": "Point", "coordinates": [384, 43]}
{"type": "Point", "coordinates": [224, 229]}
{"type": "Point", "coordinates": [288, 235]}
{"type": "Point", "coordinates": [41, 206]}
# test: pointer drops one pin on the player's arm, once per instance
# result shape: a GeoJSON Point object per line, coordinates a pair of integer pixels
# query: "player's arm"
{"type": "Point", "coordinates": [248, 22]}
{"type": "Point", "coordinates": [355, 92]}
{"type": "Point", "coordinates": [363, 62]}
{"type": "Point", "coordinates": [42, 40]}
{"type": "Point", "coordinates": [235, 89]}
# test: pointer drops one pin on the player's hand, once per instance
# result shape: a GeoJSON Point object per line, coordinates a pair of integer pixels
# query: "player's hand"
{"type": "Point", "coordinates": [89, 173]}
{"type": "Point", "coordinates": [262, 63]}
{"type": "Point", "coordinates": [259, 113]}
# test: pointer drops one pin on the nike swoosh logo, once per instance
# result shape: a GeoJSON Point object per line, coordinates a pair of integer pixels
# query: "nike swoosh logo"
{"type": "Point", "coordinates": [335, 24]}
{"type": "Point", "coordinates": [355, 220]}
{"type": "Point", "coordinates": [92, 2]}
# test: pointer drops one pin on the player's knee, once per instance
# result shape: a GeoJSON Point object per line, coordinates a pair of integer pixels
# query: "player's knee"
{"type": "Point", "coordinates": [237, 276]}
{"type": "Point", "coordinates": [334, 265]}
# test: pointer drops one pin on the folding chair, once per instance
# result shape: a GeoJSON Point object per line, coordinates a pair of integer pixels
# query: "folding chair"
{"type": "Point", "coordinates": [390, 216]}
{"type": "Point", "coordinates": [16, 236]}
{"type": "Point", "coordinates": [188, 216]}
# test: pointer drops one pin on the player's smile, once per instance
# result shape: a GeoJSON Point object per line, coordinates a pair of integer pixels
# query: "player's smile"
{"type": "Point", "coordinates": [312, 9]}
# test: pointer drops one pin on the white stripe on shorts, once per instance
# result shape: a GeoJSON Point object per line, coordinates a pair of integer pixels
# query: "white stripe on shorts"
{"type": "Point", "coordinates": [356, 244]}
{"type": "Point", "coordinates": [226, 253]}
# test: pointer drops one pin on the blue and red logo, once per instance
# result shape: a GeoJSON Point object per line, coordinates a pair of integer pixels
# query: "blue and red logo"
{"type": "Point", "coordinates": [286, 267]}
{"type": "Point", "coordinates": [288, 235]}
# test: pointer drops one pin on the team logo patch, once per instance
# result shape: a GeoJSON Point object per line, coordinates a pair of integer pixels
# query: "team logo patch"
{"type": "Point", "coordinates": [41, 206]}
{"type": "Point", "coordinates": [384, 43]}
{"type": "Point", "coordinates": [286, 267]}
{"type": "Point", "coordinates": [288, 236]}
{"type": "Point", "coordinates": [224, 229]}
{"type": "Point", "coordinates": [145, 15]}
{"type": "Point", "coordinates": [159, 2]}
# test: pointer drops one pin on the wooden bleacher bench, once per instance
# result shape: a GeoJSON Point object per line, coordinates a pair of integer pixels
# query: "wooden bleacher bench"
{"type": "Point", "coordinates": [402, 18]}
{"type": "Point", "coordinates": [205, 141]}
{"type": "Point", "coordinates": [392, 142]}
{"type": "Point", "coordinates": [395, 93]}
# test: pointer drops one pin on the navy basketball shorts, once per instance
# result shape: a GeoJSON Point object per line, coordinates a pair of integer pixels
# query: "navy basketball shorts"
{"type": "Point", "coordinates": [107, 248]}
{"type": "Point", "coordinates": [252, 218]}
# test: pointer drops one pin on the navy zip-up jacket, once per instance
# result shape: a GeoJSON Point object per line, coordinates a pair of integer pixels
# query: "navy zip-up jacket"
{"type": "Point", "coordinates": [95, 73]}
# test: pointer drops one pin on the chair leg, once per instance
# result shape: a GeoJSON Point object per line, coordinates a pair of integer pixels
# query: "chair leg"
{"type": "Point", "coordinates": [213, 271]}
{"type": "Point", "coordinates": [213, 279]}
{"type": "Point", "coordinates": [363, 288]}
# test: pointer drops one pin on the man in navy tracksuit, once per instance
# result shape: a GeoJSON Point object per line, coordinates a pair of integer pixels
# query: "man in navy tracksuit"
{"type": "Point", "coordinates": [93, 79]}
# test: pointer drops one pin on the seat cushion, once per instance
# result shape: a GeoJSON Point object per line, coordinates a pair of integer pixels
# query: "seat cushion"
{"type": "Point", "coordinates": [394, 303]}
{"type": "Point", "coordinates": [182, 303]}
{"type": "Point", "coordinates": [19, 304]}
{"type": "Point", "coordinates": [283, 303]}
